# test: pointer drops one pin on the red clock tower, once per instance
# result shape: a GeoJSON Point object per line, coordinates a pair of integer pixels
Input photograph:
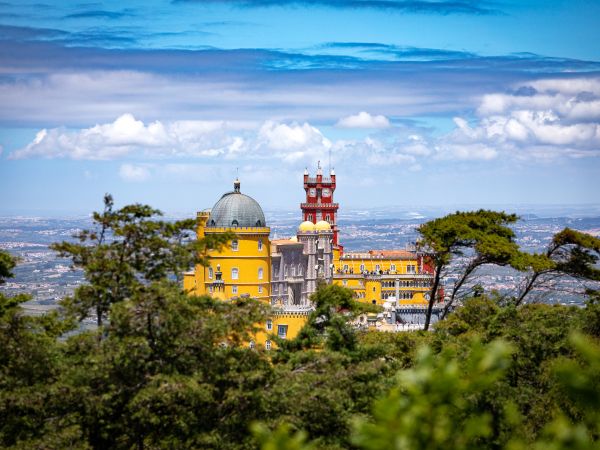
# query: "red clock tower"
{"type": "Point", "coordinates": [319, 203]}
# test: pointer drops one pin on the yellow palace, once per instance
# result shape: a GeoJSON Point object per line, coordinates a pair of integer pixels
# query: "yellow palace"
{"type": "Point", "coordinates": [285, 272]}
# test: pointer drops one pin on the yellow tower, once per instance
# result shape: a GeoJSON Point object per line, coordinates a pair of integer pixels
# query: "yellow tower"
{"type": "Point", "coordinates": [242, 268]}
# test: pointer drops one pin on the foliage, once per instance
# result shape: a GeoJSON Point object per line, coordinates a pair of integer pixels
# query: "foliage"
{"type": "Point", "coordinates": [128, 250]}
{"type": "Point", "coordinates": [328, 325]}
{"type": "Point", "coordinates": [7, 264]}
{"type": "Point", "coordinates": [571, 253]}
{"type": "Point", "coordinates": [170, 370]}
{"type": "Point", "coordinates": [438, 404]}
{"type": "Point", "coordinates": [484, 234]}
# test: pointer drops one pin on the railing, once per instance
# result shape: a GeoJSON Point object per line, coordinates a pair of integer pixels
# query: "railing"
{"type": "Point", "coordinates": [386, 275]}
{"type": "Point", "coordinates": [238, 229]}
{"type": "Point", "coordinates": [320, 205]}
{"type": "Point", "coordinates": [324, 180]}
{"type": "Point", "coordinates": [369, 256]}
{"type": "Point", "coordinates": [293, 308]}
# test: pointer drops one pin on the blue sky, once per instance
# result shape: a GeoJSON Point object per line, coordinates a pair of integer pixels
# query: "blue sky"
{"type": "Point", "coordinates": [418, 102]}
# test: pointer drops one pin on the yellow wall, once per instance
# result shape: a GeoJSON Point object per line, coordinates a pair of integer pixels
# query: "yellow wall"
{"type": "Point", "coordinates": [351, 276]}
{"type": "Point", "coordinates": [247, 258]}
{"type": "Point", "coordinates": [370, 265]}
{"type": "Point", "coordinates": [294, 322]}
{"type": "Point", "coordinates": [373, 291]}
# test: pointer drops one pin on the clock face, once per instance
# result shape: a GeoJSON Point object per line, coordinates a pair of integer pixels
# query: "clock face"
{"type": "Point", "coordinates": [312, 192]}
{"type": "Point", "coordinates": [326, 192]}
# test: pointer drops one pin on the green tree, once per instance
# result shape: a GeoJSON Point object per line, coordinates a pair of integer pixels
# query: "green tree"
{"type": "Point", "coordinates": [29, 362]}
{"type": "Point", "coordinates": [481, 236]}
{"type": "Point", "coordinates": [128, 249]}
{"type": "Point", "coordinates": [438, 403]}
{"type": "Point", "coordinates": [570, 253]}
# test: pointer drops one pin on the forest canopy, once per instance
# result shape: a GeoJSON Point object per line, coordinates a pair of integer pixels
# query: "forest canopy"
{"type": "Point", "coordinates": [163, 369]}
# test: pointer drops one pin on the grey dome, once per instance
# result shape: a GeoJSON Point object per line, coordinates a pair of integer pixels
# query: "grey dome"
{"type": "Point", "coordinates": [235, 209]}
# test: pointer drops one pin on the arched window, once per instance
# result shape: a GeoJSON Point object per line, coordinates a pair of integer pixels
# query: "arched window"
{"type": "Point", "coordinates": [210, 272]}
{"type": "Point", "coordinates": [234, 223]}
{"type": "Point", "coordinates": [260, 245]}
{"type": "Point", "coordinates": [235, 273]}
{"type": "Point", "coordinates": [234, 245]}
{"type": "Point", "coordinates": [260, 273]}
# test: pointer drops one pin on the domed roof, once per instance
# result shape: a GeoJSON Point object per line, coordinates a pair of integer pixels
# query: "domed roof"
{"type": "Point", "coordinates": [235, 209]}
{"type": "Point", "coordinates": [294, 239]}
{"type": "Point", "coordinates": [322, 225]}
{"type": "Point", "coordinates": [306, 226]}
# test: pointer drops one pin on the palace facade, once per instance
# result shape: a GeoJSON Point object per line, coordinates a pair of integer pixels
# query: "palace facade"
{"type": "Point", "coordinates": [285, 272]}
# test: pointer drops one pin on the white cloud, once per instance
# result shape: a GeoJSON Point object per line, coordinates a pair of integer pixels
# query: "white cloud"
{"type": "Point", "coordinates": [546, 119]}
{"type": "Point", "coordinates": [464, 152]}
{"type": "Point", "coordinates": [363, 120]}
{"type": "Point", "coordinates": [291, 143]}
{"type": "Point", "coordinates": [107, 141]}
{"type": "Point", "coordinates": [130, 137]}
{"type": "Point", "coordinates": [134, 173]}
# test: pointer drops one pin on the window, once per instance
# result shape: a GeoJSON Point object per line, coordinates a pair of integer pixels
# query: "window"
{"type": "Point", "coordinates": [234, 289]}
{"type": "Point", "coordinates": [210, 272]}
{"type": "Point", "coordinates": [210, 289]}
{"type": "Point", "coordinates": [235, 273]}
{"type": "Point", "coordinates": [377, 267]}
{"type": "Point", "coordinates": [293, 271]}
{"type": "Point", "coordinates": [285, 270]}
{"type": "Point", "coordinates": [328, 218]}
{"type": "Point", "coordinates": [345, 282]}
{"type": "Point", "coordinates": [269, 324]}
{"type": "Point", "coordinates": [234, 245]}
{"type": "Point", "coordinates": [260, 273]}
{"type": "Point", "coordinates": [411, 268]}
{"type": "Point", "coordinates": [260, 289]}
{"type": "Point", "coordinates": [252, 344]}
{"type": "Point", "coordinates": [268, 345]}
{"type": "Point", "coordinates": [362, 267]}
{"type": "Point", "coordinates": [393, 267]}
{"type": "Point", "coordinates": [260, 245]}
{"type": "Point", "coordinates": [345, 266]}
{"type": "Point", "coordinates": [282, 331]}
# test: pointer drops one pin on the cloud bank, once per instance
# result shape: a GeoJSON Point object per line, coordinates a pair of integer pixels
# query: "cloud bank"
{"type": "Point", "coordinates": [544, 120]}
